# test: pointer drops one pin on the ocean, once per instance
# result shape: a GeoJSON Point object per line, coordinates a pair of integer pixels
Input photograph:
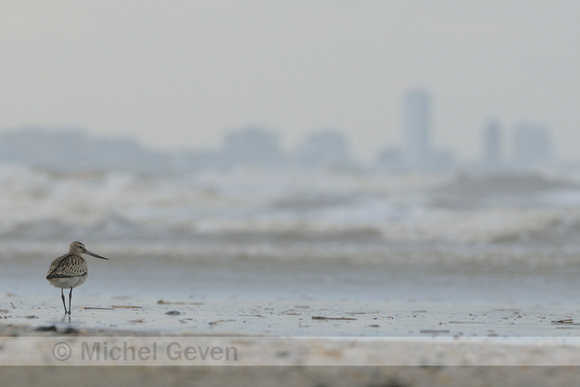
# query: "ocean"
{"type": "Point", "coordinates": [328, 232]}
{"type": "Point", "coordinates": [354, 209]}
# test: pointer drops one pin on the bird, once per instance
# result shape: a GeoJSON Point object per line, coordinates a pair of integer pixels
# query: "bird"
{"type": "Point", "coordinates": [70, 271]}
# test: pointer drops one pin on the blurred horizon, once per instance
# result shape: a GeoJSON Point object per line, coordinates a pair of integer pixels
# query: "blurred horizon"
{"type": "Point", "coordinates": [525, 147]}
{"type": "Point", "coordinates": [180, 74]}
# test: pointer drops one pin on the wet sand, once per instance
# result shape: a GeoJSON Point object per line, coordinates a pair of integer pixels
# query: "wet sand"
{"type": "Point", "coordinates": [299, 341]}
{"type": "Point", "coordinates": [287, 317]}
{"type": "Point", "coordinates": [302, 323]}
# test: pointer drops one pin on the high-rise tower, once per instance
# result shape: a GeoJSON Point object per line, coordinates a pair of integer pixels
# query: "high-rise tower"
{"type": "Point", "coordinates": [492, 143]}
{"type": "Point", "coordinates": [416, 127]}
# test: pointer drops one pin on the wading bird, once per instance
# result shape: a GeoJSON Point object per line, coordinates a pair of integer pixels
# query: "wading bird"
{"type": "Point", "coordinates": [69, 271]}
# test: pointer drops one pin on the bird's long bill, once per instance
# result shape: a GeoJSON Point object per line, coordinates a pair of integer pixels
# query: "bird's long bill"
{"type": "Point", "coordinates": [94, 255]}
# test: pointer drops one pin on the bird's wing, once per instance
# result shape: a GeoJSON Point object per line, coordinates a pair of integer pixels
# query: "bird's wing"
{"type": "Point", "coordinates": [69, 265]}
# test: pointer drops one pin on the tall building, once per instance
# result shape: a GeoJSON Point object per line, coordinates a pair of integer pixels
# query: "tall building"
{"type": "Point", "coordinates": [532, 145]}
{"type": "Point", "coordinates": [492, 143]}
{"type": "Point", "coordinates": [252, 146]}
{"type": "Point", "coordinates": [324, 147]}
{"type": "Point", "coordinates": [72, 149]}
{"type": "Point", "coordinates": [389, 157]}
{"type": "Point", "coordinates": [416, 127]}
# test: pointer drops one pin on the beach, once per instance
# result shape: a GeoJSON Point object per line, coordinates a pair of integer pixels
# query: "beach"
{"type": "Point", "coordinates": [341, 280]}
{"type": "Point", "coordinates": [333, 322]}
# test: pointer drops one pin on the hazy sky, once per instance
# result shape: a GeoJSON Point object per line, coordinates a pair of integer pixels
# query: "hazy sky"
{"type": "Point", "coordinates": [179, 73]}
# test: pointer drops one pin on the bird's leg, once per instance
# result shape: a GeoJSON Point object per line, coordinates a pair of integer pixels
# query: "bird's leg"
{"type": "Point", "coordinates": [69, 300]}
{"type": "Point", "coordinates": [63, 302]}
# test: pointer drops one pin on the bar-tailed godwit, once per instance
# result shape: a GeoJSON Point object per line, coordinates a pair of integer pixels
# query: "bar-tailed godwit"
{"type": "Point", "coordinates": [69, 271]}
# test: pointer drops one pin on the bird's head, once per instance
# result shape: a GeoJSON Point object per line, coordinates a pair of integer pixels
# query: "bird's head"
{"type": "Point", "coordinates": [79, 248]}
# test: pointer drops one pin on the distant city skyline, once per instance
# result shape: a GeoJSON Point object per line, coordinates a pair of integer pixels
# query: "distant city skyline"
{"type": "Point", "coordinates": [177, 74]}
{"type": "Point", "coordinates": [71, 149]}
{"type": "Point", "coordinates": [260, 145]}
{"type": "Point", "coordinates": [416, 137]}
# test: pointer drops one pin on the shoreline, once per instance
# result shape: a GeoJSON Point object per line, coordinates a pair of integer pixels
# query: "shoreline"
{"type": "Point", "coordinates": [245, 315]}
{"type": "Point", "coordinates": [307, 322]}
{"type": "Point", "coordinates": [405, 332]}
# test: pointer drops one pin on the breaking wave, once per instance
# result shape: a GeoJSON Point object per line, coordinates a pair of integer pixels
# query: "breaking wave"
{"type": "Point", "coordinates": [352, 208]}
